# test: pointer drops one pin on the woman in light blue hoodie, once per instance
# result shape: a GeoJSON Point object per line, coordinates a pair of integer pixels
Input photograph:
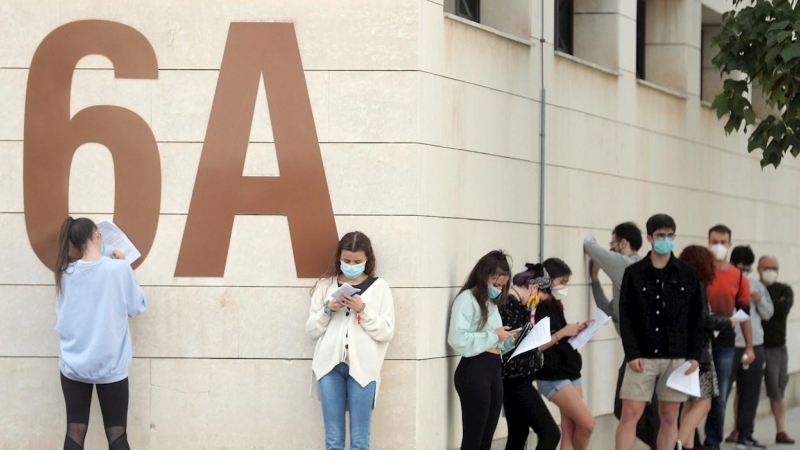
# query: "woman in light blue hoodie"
{"type": "Point", "coordinates": [96, 295]}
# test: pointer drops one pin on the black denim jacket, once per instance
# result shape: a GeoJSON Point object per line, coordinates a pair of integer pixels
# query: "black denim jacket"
{"type": "Point", "coordinates": [662, 313]}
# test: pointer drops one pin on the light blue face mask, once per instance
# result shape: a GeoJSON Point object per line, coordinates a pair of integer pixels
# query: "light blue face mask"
{"type": "Point", "coordinates": [494, 292]}
{"type": "Point", "coordinates": [103, 248]}
{"type": "Point", "coordinates": [352, 272]}
{"type": "Point", "coordinates": [664, 246]}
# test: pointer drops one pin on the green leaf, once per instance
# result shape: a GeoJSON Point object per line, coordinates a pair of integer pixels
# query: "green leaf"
{"type": "Point", "coordinates": [780, 25]}
{"type": "Point", "coordinates": [750, 116]}
{"type": "Point", "coordinates": [783, 35]}
{"type": "Point", "coordinates": [790, 52]}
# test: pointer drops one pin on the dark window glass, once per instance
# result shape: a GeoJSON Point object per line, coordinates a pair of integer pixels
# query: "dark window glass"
{"type": "Point", "coordinates": [641, 20]}
{"type": "Point", "coordinates": [564, 32]}
{"type": "Point", "coordinates": [469, 9]}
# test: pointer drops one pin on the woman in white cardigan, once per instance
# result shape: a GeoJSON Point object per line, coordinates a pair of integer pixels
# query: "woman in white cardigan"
{"type": "Point", "coordinates": [352, 337]}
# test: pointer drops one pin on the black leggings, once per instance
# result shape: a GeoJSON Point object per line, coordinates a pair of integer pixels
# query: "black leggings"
{"type": "Point", "coordinates": [113, 404]}
{"type": "Point", "coordinates": [480, 389]}
{"type": "Point", "coordinates": [525, 409]}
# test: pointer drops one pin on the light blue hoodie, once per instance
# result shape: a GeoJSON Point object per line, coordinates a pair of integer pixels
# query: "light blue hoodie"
{"type": "Point", "coordinates": [96, 300]}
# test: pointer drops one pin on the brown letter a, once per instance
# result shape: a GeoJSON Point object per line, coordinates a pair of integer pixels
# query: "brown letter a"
{"type": "Point", "coordinates": [221, 191]}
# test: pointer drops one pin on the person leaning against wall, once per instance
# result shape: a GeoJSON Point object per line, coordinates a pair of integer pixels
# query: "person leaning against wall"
{"type": "Point", "coordinates": [352, 338]}
{"type": "Point", "coordinates": [560, 377]}
{"type": "Point", "coordinates": [524, 407]}
{"type": "Point", "coordinates": [661, 320]}
{"type": "Point", "coordinates": [96, 296]}
{"type": "Point", "coordinates": [478, 335]}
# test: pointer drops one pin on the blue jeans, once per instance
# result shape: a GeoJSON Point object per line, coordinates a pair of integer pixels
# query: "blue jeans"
{"type": "Point", "coordinates": [715, 422]}
{"type": "Point", "coordinates": [339, 391]}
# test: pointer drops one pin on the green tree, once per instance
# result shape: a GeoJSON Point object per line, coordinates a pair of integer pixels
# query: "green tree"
{"type": "Point", "coordinates": [758, 43]}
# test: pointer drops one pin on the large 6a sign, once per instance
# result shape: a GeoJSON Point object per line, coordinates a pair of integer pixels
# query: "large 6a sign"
{"type": "Point", "coordinates": [253, 50]}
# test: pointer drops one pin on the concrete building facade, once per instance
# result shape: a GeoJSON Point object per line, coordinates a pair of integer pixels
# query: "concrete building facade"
{"type": "Point", "coordinates": [431, 129]}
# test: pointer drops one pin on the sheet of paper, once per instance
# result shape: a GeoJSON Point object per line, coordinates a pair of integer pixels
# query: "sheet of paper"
{"type": "Point", "coordinates": [741, 315]}
{"type": "Point", "coordinates": [345, 289]}
{"type": "Point", "coordinates": [580, 339]}
{"type": "Point", "coordinates": [538, 336]}
{"type": "Point", "coordinates": [116, 239]}
{"type": "Point", "coordinates": [688, 384]}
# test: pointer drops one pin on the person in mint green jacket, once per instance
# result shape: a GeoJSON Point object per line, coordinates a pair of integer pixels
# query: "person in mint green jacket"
{"type": "Point", "coordinates": [478, 335]}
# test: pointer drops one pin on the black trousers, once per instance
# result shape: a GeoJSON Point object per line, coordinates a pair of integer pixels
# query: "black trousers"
{"type": "Point", "coordinates": [748, 386]}
{"type": "Point", "coordinates": [647, 427]}
{"type": "Point", "coordinates": [480, 390]}
{"type": "Point", "coordinates": [526, 410]}
{"type": "Point", "coordinates": [113, 399]}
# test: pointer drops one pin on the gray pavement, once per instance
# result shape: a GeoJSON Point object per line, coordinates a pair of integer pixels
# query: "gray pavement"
{"type": "Point", "coordinates": [765, 431]}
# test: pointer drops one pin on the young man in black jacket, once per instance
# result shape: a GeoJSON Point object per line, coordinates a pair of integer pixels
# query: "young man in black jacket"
{"type": "Point", "coordinates": [661, 324]}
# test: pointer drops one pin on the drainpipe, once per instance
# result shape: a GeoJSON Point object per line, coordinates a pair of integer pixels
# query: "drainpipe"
{"type": "Point", "coordinates": [542, 144]}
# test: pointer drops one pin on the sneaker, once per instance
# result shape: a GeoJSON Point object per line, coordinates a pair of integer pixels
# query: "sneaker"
{"type": "Point", "coordinates": [749, 443]}
{"type": "Point", "coordinates": [783, 438]}
{"type": "Point", "coordinates": [732, 438]}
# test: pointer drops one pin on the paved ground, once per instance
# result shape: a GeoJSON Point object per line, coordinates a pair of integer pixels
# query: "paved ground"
{"type": "Point", "coordinates": [765, 432]}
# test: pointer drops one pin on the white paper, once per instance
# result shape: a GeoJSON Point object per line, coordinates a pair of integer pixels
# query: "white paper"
{"type": "Point", "coordinates": [538, 336]}
{"type": "Point", "coordinates": [716, 334]}
{"type": "Point", "coordinates": [345, 289]}
{"type": "Point", "coordinates": [688, 384]}
{"type": "Point", "coordinates": [116, 239]}
{"type": "Point", "coordinates": [741, 315]}
{"type": "Point", "coordinates": [580, 339]}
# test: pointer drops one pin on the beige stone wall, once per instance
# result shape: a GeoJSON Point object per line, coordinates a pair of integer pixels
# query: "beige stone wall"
{"type": "Point", "coordinates": [429, 131]}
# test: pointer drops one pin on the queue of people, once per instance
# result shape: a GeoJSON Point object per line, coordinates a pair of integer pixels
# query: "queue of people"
{"type": "Point", "coordinates": [672, 313]}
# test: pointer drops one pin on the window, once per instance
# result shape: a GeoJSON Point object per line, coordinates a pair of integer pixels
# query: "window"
{"type": "Point", "coordinates": [641, 21]}
{"type": "Point", "coordinates": [469, 9]}
{"type": "Point", "coordinates": [710, 80]}
{"type": "Point", "coordinates": [564, 26]}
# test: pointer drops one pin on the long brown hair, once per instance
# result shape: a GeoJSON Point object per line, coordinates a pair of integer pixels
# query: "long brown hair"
{"type": "Point", "coordinates": [77, 232]}
{"type": "Point", "coordinates": [702, 260]}
{"type": "Point", "coordinates": [491, 264]}
{"type": "Point", "coordinates": [354, 241]}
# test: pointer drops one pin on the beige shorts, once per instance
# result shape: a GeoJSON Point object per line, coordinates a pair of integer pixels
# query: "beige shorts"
{"type": "Point", "coordinates": [638, 386]}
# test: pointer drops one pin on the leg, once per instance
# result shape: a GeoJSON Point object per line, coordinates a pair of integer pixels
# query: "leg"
{"type": "Point", "coordinates": [78, 400]}
{"type": "Point", "coordinates": [114, 405]}
{"type": "Point", "coordinates": [333, 393]}
{"type": "Point", "coordinates": [516, 414]}
{"type": "Point", "coordinates": [626, 430]}
{"type": "Point", "coordinates": [649, 424]}
{"type": "Point", "coordinates": [749, 388]}
{"type": "Point", "coordinates": [668, 432]}
{"type": "Point", "coordinates": [723, 363]}
{"type": "Point", "coordinates": [693, 413]}
{"type": "Point", "coordinates": [779, 411]}
{"type": "Point", "coordinates": [360, 401]}
{"type": "Point", "coordinates": [475, 397]}
{"type": "Point", "coordinates": [495, 403]}
{"type": "Point", "coordinates": [570, 401]}
{"type": "Point", "coordinates": [541, 421]}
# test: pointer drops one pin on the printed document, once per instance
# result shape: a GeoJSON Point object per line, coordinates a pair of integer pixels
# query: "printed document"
{"type": "Point", "coordinates": [116, 239]}
{"type": "Point", "coordinates": [688, 384]}
{"type": "Point", "coordinates": [741, 315]}
{"type": "Point", "coordinates": [538, 336]}
{"type": "Point", "coordinates": [580, 339]}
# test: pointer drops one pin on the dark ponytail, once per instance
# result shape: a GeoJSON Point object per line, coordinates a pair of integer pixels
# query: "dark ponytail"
{"type": "Point", "coordinates": [77, 232]}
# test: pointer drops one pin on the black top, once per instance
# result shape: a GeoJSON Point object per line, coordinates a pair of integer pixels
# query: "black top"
{"type": "Point", "coordinates": [523, 367]}
{"type": "Point", "coordinates": [775, 328]}
{"type": "Point", "coordinates": [561, 361]}
{"type": "Point", "coordinates": [662, 313]}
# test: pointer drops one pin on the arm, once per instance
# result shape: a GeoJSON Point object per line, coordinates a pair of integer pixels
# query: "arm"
{"type": "Point", "coordinates": [626, 319]}
{"type": "Point", "coordinates": [600, 299]}
{"type": "Point", "coordinates": [379, 325]}
{"type": "Point", "coordinates": [464, 340]}
{"type": "Point", "coordinates": [612, 263]}
{"type": "Point", "coordinates": [765, 308]}
{"type": "Point", "coordinates": [743, 302]}
{"type": "Point", "coordinates": [318, 319]}
{"type": "Point", "coordinates": [784, 305]}
{"type": "Point", "coordinates": [136, 301]}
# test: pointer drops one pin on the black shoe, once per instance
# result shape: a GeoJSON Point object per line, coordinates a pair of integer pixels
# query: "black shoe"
{"type": "Point", "coordinates": [749, 443]}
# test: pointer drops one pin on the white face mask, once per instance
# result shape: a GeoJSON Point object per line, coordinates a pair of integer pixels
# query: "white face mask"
{"type": "Point", "coordinates": [770, 276]}
{"type": "Point", "coordinates": [560, 292]}
{"type": "Point", "coordinates": [720, 251]}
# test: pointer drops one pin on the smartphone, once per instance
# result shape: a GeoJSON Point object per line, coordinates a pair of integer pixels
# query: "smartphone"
{"type": "Point", "coordinates": [515, 333]}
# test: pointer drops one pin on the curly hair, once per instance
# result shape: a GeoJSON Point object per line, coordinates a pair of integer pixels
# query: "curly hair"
{"type": "Point", "coordinates": [702, 260]}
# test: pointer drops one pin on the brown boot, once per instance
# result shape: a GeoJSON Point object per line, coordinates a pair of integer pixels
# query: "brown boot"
{"type": "Point", "coordinates": [783, 438]}
{"type": "Point", "coordinates": [733, 438]}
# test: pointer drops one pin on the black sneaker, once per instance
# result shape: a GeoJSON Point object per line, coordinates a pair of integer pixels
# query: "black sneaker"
{"type": "Point", "coordinates": [749, 443]}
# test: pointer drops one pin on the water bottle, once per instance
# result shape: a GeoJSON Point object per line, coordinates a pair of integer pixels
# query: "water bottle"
{"type": "Point", "coordinates": [745, 366]}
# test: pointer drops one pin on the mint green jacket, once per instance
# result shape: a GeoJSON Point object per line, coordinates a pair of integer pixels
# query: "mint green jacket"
{"type": "Point", "coordinates": [465, 337]}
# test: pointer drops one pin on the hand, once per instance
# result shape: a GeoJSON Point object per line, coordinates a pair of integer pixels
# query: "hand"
{"type": "Point", "coordinates": [695, 365]}
{"type": "Point", "coordinates": [637, 365]}
{"type": "Point", "coordinates": [735, 321]}
{"type": "Point", "coordinates": [594, 270]}
{"type": "Point", "coordinates": [354, 303]}
{"type": "Point", "coordinates": [587, 323]}
{"type": "Point", "coordinates": [116, 254]}
{"type": "Point", "coordinates": [751, 355]}
{"type": "Point", "coordinates": [503, 333]}
{"type": "Point", "coordinates": [335, 305]}
{"type": "Point", "coordinates": [571, 329]}
{"type": "Point", "coordinates": [755, 295]}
